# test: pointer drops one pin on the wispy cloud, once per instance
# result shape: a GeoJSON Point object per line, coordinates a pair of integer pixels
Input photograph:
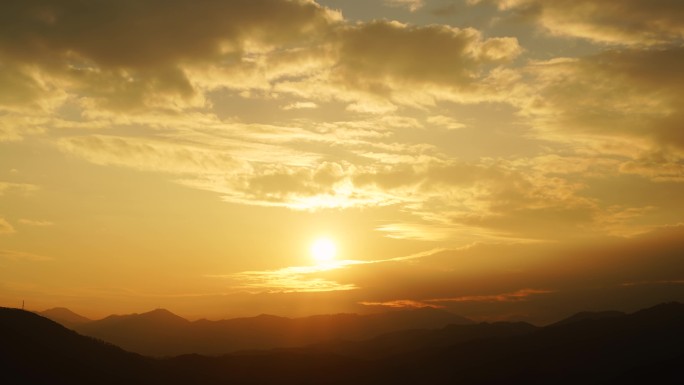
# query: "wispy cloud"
{"type": "Point", "coordinates": [300, 106]}
{"type": "Point", "coordinates": [17, 188]}
{"type": "Point", "coordinates": [290, 279]}
{"type": "Point", "coordinates": [305, 278]}
{"type": "Point", "coordinates": [519, 295]}
{"type": "Point", "coordinates": [411, 5]}
{"type": "Point", "coordinates": [6, 227]}
{"type": "Point", "coordinates": [625, 22]}
{"type": "Point", "coordinates": [658, 282]}
{"type": "Point", "coordinates": [402, 303]}
{"type": "Point", "coordinates": [21, 255]}
{"type": "Point", "coordinates": [33, 222]}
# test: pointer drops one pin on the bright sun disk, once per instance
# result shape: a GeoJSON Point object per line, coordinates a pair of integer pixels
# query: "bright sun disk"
{"type": "Point", "coordinates": [323, 250]}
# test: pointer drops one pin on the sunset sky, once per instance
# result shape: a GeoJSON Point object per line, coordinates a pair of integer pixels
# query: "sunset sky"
{"type": "Point", "coordinates": [500, 159]}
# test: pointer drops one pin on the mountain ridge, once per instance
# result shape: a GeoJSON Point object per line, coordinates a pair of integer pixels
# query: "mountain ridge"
{"type": "Point", "coordinates": [640, 347]}
{"type": "Point", "coordinates": [162, 333]}
{"type": "Point", "coordinates": [64, 316]}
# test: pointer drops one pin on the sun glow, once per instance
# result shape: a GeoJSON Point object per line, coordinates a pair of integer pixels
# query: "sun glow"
{"type": "Point", "coordinates": [323, 250]}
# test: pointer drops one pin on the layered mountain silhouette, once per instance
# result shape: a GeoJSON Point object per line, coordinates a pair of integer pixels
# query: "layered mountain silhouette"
{"type": "Point", "coordinates": [407, 341]}
{"type": "Point", "coordinates": [162, 333]}
{"type": "Point", "coordinates": [639, 348]}
{"type": "Point", "coordinates": [65, 317]}
{"type": "Point", "coordinates": [589, 315]}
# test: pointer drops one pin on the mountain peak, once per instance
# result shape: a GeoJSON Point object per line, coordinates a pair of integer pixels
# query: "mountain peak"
{"type": "Point", "coordinates": [161, 314]}
{"type": "Point", "coordinates": [64, 316]}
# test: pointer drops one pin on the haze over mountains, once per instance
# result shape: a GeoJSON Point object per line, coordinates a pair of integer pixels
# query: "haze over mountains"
{"type": "Point", "coordinates": [162, 333]}
{"type": "Point", "coordinates": [590, 348]}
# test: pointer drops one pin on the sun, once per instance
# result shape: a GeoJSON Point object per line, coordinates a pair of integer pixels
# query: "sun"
{"type": "Point", "coordinates": [323, 250]}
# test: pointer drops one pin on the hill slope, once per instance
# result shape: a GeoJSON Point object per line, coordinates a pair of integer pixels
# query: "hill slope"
{"type": "Point", "coordinates": [36, 350]}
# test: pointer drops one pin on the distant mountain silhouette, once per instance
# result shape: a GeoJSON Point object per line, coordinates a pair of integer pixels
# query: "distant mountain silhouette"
{"type": "Point", "coordinates": [609, 350]}
{"type": "Point", "coordinates": [162, 333]}
{"type": "Point", "coordinates": [155, 333]}
{"type": "Point", "coordinates": [406, 341]}
{"type": "Point", "coordinates": [64, 316]}
{"type": "Point", "coordinates": [589, 315]}
{"type": "Point", "coordinates": [639, 348]}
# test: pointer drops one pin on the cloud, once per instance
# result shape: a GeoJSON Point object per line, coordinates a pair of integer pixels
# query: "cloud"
{"type": "Point", "coordinates": [32, 222]}
{"type": "Point", "coordinates": [21, 255]}
{"type": "Point", "coordinates": [518, 295]}
{"type": "Point", "coordinates": [6, 227]}
{"type": "Point", "coordinates": [662, 282]}
{"type": "Point", "coordinates": [57, 46]}
{"type": "Point", "coordinates": [148, 155]}
{"type": "Point", "coordinates": [300, 106]}
{"type": "Point", "coordinates": [611, 108]}
{"type": "Point", "coordinates": [625, 22]}
{"type": "Point", "coordinates": [304, 279]}
{"type": "Point", "coordinates": [391, 59]}
{"type": "Point", "coordinates": [446, 122]}
{"type": "Point", "coordinates": [616, 105]}
{"type": "Point", "coordinates": [411, 5]}
{"type": "Point", "coordinates": [153, 33]}
{"type": "Point", "coordinates": [315, 55]}
{"type": "Point", "coordinates": [17, 188]}
{"type": "Point", "coordinates": [297, 279]}
{"type": "Point", "coordinates": [487, 198]}
{"type": "Point", "coordinates": [401, 303]}
{"type": "Point", "coordinates": [490, 279]}
{"type": "Point", "coordinates": [150, 69]}
{"type": "Point", "coordinates": [420, 231]}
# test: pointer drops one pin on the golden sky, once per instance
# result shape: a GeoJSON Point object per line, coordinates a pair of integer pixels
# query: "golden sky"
{"type": "Point", "coordinates": [501, 159]}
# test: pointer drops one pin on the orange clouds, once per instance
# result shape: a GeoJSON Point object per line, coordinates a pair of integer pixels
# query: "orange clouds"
{"type": "Point", "coordinates": [424, 132]}
{"type": "Point", "coordinates": [519, 295]}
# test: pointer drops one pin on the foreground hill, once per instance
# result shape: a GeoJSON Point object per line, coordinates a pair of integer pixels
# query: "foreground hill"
{"type": "Point", "coordinates": [162, 333]}
{"type": "Point", "coordinates": [35, 350]}
{"type": "Point", "coordinates": [640, 348]}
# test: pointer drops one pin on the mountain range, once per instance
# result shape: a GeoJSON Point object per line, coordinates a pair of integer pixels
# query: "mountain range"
{"type": "Point", "coordinates": [162, 333]}
{"type": "Point", "coordinates": [644, 347]}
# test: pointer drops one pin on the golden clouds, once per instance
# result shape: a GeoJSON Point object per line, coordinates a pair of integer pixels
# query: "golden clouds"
{"type": "Point", "coordinates": [142, 62]}
{"type": "Point", "coordinates": [525, 276]}
{"type": "Point", "coordinates": [6, 227]}
{"type": "Point", "coordinates": [13, 255]}
{"type": "Point", "coordinates": [20, 188]}
{"type": "Point", "coordinates": [296, 279]}
{"type": "Point", "coordinates": [150, 34]}
{"type": "Point", "coordinates": [628, 22]}
{"type": "Point", "coordinates": [411, 5]}
{"type": "Point", "coordinates": [616, 104]}
{"type": "Point", "coordinates": [416, 66]}
{"type": "Point", "coordinates": [148, 155]}
{"type": "Point", "coordinates": [285, 104]}
{"type": "Point", "coordinates": [172, 59]}
{"type": "Point", "coordinates": [518, 295]}
{"type": "Point", "coordinates": [375, 53]}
